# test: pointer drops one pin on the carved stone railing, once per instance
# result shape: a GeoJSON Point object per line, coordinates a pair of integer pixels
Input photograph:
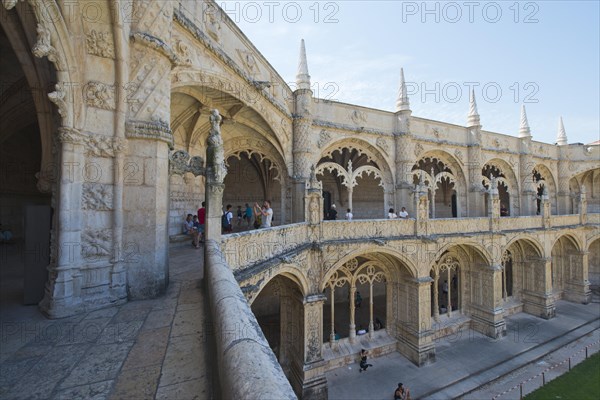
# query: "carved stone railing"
{"type": "Point", "coordinates": [512, 223]}
{"type": "Point", "coordinates": [247, 248]}
{"type": "Point", "coordinates": [246, 365]}
{"type": "Point", "coordinates": [364, 229]}
{"type": "Point", "coordinates": [566, 220]}
{"type": "Point", "coordinates": [447, 226]}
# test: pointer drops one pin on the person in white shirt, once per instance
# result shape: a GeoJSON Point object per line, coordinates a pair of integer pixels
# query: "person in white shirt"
{"type": "Point", "coordinates": [403, 213]}
{"type": "Point", "coordinates": [392, 214]}
{"type": "Point", "coordinates": [267, 213]}
{"type": "Point", "coordinates": [349, 215]}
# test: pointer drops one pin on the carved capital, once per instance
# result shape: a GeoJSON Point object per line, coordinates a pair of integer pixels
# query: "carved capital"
{"type": "Point", "coordinates": [149, 130]}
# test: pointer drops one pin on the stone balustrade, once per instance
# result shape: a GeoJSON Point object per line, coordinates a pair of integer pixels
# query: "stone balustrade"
{"type": "Point", "coordinates": [247, 248]}
{"type": "Point", "coordinates": [244, 249]}
{"type": "Point", "coordinates": [246, 365]}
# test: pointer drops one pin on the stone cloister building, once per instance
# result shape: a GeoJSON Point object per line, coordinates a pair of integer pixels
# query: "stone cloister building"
{"type": "Point", "coordinates": [105, 120]}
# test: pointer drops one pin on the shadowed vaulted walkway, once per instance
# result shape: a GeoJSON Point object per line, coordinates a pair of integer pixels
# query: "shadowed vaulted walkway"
{"type": "Point", "coordinates": [142, 350]}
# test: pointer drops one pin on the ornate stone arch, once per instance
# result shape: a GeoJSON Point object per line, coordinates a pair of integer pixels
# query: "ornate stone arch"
{"type": "Point", "coordinates": [276, 120]}
{"type": "Point", "coordinates": [54, 41]}
{"type": "Point", "coordinates": [574, 239]}
{"type": "Point", "coordinates": [462, 251]}
{"type": "Point", "coordinates": [529, 239]}
{"type": "Point", "coordinates": [292, 273]}
{"type": "Point", "coordinates": [509, 180]}
{"type": "Point", "coordinates": [406, 262]}
{"type": "Point", "coordinates": [457, 177]}
{"type": "Point", "coordinates": [547, 180]}
{"type": "Point", "coordinates": [253, 145]}
{"type": "Point", "coordinates": [363, 147]}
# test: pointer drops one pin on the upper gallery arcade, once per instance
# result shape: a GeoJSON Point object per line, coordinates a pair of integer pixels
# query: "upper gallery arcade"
{"type": "Point", "coordinates": [117, 143]}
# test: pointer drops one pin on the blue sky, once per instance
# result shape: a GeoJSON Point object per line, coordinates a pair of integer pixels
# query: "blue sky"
{"type": "Point", "coordinates": [544, 54]}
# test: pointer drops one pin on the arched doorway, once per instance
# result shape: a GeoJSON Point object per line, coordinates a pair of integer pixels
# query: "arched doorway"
{"type": "Point", "coordinates": [28, 171]}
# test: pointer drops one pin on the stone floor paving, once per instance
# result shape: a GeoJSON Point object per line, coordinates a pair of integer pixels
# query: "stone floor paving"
{"type": "Point", "coordinates": [141, 350]}
{"type": "Point", "coordinates": [468, 360]}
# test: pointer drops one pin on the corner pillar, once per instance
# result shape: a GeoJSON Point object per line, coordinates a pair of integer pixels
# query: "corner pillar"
{"type": "Point", "coordinates": [537, 291]}
{"type": "Point", "coordinates": [488, 316]}
{"type": "Point", "coordinates": [415, 336]}
{"type": "Point", "coordinates": [577, 285]}
{"type": "Point", "coordinates": [308, 379]}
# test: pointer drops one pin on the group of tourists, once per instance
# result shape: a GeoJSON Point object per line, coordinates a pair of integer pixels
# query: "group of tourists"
{"type": "Point", "coordinates": [256, 216]}
{"type": "Point", "coordinates": [332, 213]}
{"type": "Point", "coordinates": [194, 226]}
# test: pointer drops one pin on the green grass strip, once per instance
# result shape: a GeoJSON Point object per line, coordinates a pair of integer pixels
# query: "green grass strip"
{"type": "Point", "coordinates": [581, 383]}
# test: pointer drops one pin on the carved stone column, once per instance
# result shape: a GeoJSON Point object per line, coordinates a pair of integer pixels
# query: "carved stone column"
{"type": "Point", "coordinates": [309, 379]}
{"type": "Point", "coordinates": [351, 305]}
{"type": "Point", "coordinates": [564, 193]}
{"type": "Point", "coordinates": [583, 206]}
{"type": "Point", "coordinates": [528, 193]}
{"type": "Point", "coordinates": [215, 176]}
{"type": "Point", "coordinates": [577, 285]}
{"type": "Point", "coordinates": [404, 163]}
{"type": "Point", "coordinates": [537, 291]}
{"type": "Point", "coordinates": [494, 206]}
{"type": "Point", "coordinates": [415, 336]}
{"type": "Point", "coordinates": [302, 147]}
{"type": "Point", "coordinates": [488, 316]}
{"type": "Point", "coordinates": [62, 296]}
{"type": "Point", "coordinates": [422, 213]}
{"type": "Point", "coordinates": [546, 210]}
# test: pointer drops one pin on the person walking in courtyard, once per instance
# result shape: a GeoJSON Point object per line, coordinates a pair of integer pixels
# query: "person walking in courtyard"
{"type": "Point", "coordinates": [401, 393]}
{"type": "Point", "coordinates": [363, 361]}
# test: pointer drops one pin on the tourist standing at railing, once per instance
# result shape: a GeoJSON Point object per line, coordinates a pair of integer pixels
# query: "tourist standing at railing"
{"type": "Point", "coordinates": [266, 212]}
{"type": "Point", "coordinates": [392, 214]}
{"type": "Point", "coordinates": [332, 214]}
{"type": "Point", "coordinates": [349, 215]}
{"type": "Point", "coordinates": [248, 215]}
{"type": "Point", "coordinates": [403, 214]}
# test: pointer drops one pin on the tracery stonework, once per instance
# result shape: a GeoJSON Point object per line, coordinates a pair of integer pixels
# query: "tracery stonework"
{"type": "Point", "coordinates": [140, 114]}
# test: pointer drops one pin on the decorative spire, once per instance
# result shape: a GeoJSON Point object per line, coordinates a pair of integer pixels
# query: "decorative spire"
{"type": "Point", "coordinates": [302, 78]}
{"type": "Point", "coordinates": [524, 130]}
{"type": "Point", "coordinates": [473, 117]}
{"type": "Point", "coordinates": [402, 103]}
{"type": "Point", "coordinates": [561, 139]}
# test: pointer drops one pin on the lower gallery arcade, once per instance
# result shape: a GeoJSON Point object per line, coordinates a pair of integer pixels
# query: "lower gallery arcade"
{"type": "Point", "coordinates": [384, 301]}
